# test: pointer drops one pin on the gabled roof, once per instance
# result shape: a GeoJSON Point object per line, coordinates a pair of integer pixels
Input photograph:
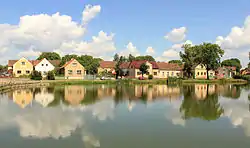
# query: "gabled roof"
{"type": "Point", "coordinates": [35, 62]}
{"type": "Point", "coordinates": [55, 63]}
{"type": "Point", "coordinates": [125, 65]}
{"type": "Point", "coordinates": [107, 64]}
{"type": "Point", "coordinates": [169, 66]}
{"type": "Point", "coordinates": [11, 62]}
{"type": "Point", "coordinates": [69, 62]}
{"type": "Point", "coordinates": [137, 64]}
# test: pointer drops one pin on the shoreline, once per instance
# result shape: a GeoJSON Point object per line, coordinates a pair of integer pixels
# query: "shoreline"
{"type": "Point", "coordinates": [32, 83]}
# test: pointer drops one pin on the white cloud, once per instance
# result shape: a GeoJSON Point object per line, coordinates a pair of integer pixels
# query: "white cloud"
{"type": "Point", "coordinates": [150, 51]}
{"type": "Point", "coordinates": [177, 34]}
{"type": "Point", "coordinates": [29, 53]}
{"type": "Point", "coordinates": [90, 12]}
{"type": "Point", "coordinates": [130, 49]}
{"type": "Point", "coordinates": [238, 38]}
{"type": "Point", "coordinates": [171, 53]}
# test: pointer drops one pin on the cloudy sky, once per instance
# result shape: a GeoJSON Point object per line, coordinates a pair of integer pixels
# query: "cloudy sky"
{"type": "Point", "coordinates": [104, 27]}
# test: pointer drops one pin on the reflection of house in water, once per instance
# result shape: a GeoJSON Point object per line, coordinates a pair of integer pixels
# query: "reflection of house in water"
{"type": "Point", "coordinates": [74, 94]}
{"type": "Point", "coordinates": [157, 91]}
{"type": "Point", "coordinates": [44, 97]}
{"type": "Point", "coordinates": [105, 91]}
{"type": "Point", "coordinates": [201, 91]}
{"type": "Point", "coordinates": [22, 97]}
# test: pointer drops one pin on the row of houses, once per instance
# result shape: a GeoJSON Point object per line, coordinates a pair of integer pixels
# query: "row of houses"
{"type": "Point", "coordinates": [74, 70]}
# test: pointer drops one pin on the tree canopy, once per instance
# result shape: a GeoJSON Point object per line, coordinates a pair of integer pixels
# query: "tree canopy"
{"type": "Point", "coordinates": [143, 68]}
{"type": "Point", "coordinates": [49, 56]}
{"type": "Point", "coordinates": [131, 58]}
{"type": "Point", "coordinates": [147, 57]}
{"type": "Point", "coordinates": [232, 62]}
{"type": "Point", "coordinates": [179, 62]}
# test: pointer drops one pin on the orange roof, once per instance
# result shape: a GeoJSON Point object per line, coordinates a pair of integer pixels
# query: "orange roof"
{"type": "Point", "coordinates": [67, 63]}
{"type": "Point", "coordinates": [124, 65]}
{"type": "Point", "coordinates": [137, 64]}
{"type": "Point", "coordinates": [169, 66]}
{"type": "Point", "coordinates": [107, 64]}
{"type": "Point", "coordinates": [11, 62]}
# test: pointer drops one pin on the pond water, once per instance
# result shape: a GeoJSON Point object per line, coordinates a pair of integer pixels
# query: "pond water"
{"type": "Point", "coordinates": [135, 116]}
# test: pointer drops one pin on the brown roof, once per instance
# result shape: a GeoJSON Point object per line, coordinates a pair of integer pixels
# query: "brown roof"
{"type": "Point", "coordinates": [169, 66]}
{"type": "Point", "coordinates": [55, 62]}
{"type": "Point", "coordinates": [137, 64]}
{"type": "Point", "coordinates": [11, 62]}
{"type": "Point", "coordinates": [107, 64]}
{"type": "Point", "coordinates": [124, 65]}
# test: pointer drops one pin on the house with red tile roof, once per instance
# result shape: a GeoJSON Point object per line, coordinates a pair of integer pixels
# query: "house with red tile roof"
{"type": "Point", "coordinates": [73, 70]}
{"type": "Point", "coordinates": [169, 70]}
{"type": "Point", "coordinates": [108, 66]}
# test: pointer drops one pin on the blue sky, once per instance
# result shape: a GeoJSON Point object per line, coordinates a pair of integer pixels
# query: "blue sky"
{"type": "Point", "coordinates": [143, 23]}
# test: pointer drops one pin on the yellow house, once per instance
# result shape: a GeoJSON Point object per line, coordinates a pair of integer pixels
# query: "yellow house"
{"type": "Point", "coordinates": [22, 67]}
{"type": "Point", "coordinates": [22, 97]}
{"type": "Point", "coordinates": [169, 70]}
{"type": "Point", "coordinates": [201, 72]}
{"type": "Point", "coordinates": [74, 94]}
{"type": "Point", "coordinates": [73, 70]}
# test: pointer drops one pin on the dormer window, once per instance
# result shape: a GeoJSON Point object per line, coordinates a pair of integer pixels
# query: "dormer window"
{"type": "Point", "coordinates": [23, 63]}
{"type": "Point", "coordinates": [74, 64]}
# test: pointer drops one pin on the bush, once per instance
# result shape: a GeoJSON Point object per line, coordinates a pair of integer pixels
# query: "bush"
{"type": "Point", "coordinates": [237, 77]}
{"type": "Point", "coordinates": [35, 75]}
{"type": "Point", "coordinates": [51, 75]}
{"type": "Point", "coordinates": [150, 77]}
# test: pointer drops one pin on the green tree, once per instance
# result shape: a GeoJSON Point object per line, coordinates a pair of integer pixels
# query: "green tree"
{"type": "Point", "coordinates": [118, 70]}
{"type": "Point", "coordinates": [232, 62]}
{"type": "Point", "coordinates": [209, 56]}
{"type": "Point", "coordinates": [190, 59]}
{"type": "Point", "coordinates": [67, 58]}
{"type": "Point", "coordinates": [116, 57]}
{"type": "Point", "coordinates": [147, 58]}
{"type": "Point", "coordinates": [179, 62]}
{"type": "Point", "coordinates": [89, 63]}
{"type": "Point", "coordinates": [3, 68]}
{"type": "Point", "coordinates": [143, 68]}
{"type": "Point", "coordinates": [51, 75]}
{"type": "Point", "coordinates": [131, 58]}
{"type": "Point", "coordinates": [35, 75]}
{"type": "Point", "coordinates": [49, 56]}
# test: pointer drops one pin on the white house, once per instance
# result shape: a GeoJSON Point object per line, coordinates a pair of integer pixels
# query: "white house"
{"type": "Point", "coordinates": [44, 66]}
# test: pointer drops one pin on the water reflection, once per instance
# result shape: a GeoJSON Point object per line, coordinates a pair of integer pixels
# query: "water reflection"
{"type": "Point", "coordinates": [58, 112]}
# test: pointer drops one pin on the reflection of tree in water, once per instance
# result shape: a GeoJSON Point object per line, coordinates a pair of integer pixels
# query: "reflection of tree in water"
{"type": "Point", "coordinates": [231, 91]}
{"type": "Point", "coordinates": [58, 96]}
{"type": "Point", "coordinates": [91, 96]}
{"type": "Point", "coordinates": [119, 94]}
{"type": "Point", "coordinates": [207, 109]}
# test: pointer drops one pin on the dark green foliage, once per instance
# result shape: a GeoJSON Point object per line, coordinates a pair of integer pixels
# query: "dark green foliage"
{"type": "Point", "coordinates": [49, 56]}
{"type": "Point", "coordinates": [143, 68]}
{"type": "Point", "coordinates": [147, 58]}
{"type": "Point", "coordinates": [51, 75]}
{"type": "Point", "coordinates": [35, 75]}
{"type": "Point", "coordinates": [150, 77]}
{"type": "Point", "coordinates": [179, 62]}
{"type": "Point", "coordinates": [131, 58]}
{"type": "Point", "coordinates": [232, 62]}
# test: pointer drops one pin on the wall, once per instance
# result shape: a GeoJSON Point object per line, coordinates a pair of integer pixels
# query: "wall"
{"type": "Point", "coordinates": [169, 73]}
{"type": "Point", "coordinates": [23, 68]}
{"type": "Point", "coordinates": [201, 73]}
{"type": "Point", "coordinates": [74, 69]}
{"type": "Point", "coordinates": [44, 66]}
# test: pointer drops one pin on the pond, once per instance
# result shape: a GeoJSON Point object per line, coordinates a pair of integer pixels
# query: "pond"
{"type": "Point", "coordinates": [118, 116]}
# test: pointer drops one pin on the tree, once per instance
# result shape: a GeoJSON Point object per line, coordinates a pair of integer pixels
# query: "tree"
{"type": "Point", "coordinates": [3, 68]}
{"type": "Point", "coordinates": [116, 57]}
{"type": "Point", "coordinates": [143, 68]}
{"type": "Point", "coordinates": [35, 75]}
{"type": "Point", "coordinates": [147, 58]}
{"type": "Point", "coordinates": [118, 70]}
{"type": "Point", "coordinates": [67, 58]}
{"type": "Point", "coordinates": [232, 62]}
{"type": "Point", "coordinates": [131, 58]}
{"type": "Point", "coordinates": [179, 62]}
{"type": "Point", "coordinates": [51, 75]}
{"type": "Point", "coordinates": [209, 55]}
{"type": "Point", "coordinates": [49, 56]}
{"type": "Point", "coordinates": [189, 58]}
{"type": "Point", "coordinates": [89, 63]}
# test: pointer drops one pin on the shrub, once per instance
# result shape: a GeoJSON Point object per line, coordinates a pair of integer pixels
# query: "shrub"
{"type": "Point", "coordinates": [51, 75]}
{"type": "Point", "coordinates": [35, 75]}
{"type": "Point", "coordinates": [150, 77]}
{"type": "Point", "coordinates": [237, 77]}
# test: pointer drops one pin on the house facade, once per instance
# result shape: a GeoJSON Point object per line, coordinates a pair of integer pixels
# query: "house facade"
{"type": "Point", "coordinates": [22, 67]}
{"type": "Point", "coordinates": [44, 66]}
{"type": "Point", "coordinates": [169, 70]}
{"type": "Point", "coordinates": [108, 66]}
{"type": "Point", "coordinates": [73, 70]}
{"type": "Point", "coordinates": [201, 72]}
{"type": "Point", "coordinates": [225, 72]}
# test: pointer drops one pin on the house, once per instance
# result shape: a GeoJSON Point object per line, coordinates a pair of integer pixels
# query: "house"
{"type": "Point", "coordinates": [108, 66]}
{"type": "Point", "coordinates": [73, 70]}
{"type": "Point", "coordinates": [225, 72]}
{"type": "Point", "coordinates": [169, 70]}
{"type": "Point", "coordinates": [20, 67]}
{"type": "Point", "coordinates": [44, 65]}
{"type": "Point", "coordinates": [133, 70]}
{"type": "Point", "coordinates": [201, 72]}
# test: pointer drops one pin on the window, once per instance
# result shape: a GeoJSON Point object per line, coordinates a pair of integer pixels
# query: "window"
{"type": "Point", "coordinates": [27, 72]}
{"type": "Point", "coordinates": [205, 73]}
{"type": "Point", "coordinates": [162, 73]}
{"type": "Point", "coordinates": [201, 73]}
{"type": "Point", "coordinates": [178, 74]}
{"type": "Point", "coordinates": [19, 71]}
{"type": "Point", "coordinates": [198, 73]}
{"type": "Point", "coordinates": [79, 72]}
{"type": "Point", "coordinates": [23, 63]}
{"type": "Point", "coordinates": [172, 73]}
{"type": "Point", "coordinates": [211, 74]}
{"type": "Point", "coordinates": [155, 73]}
{"type": "Point", "coordinates": [70, 72]}
{"type": "Point", "coordinates": [46, 64]}
{"type": "Point", "coordinates": [74, 64]}
{"type": "Point", "coordinates": [42, 64]}
{"type": "Point", "coordinates": [167, 73]}
{"type": "Point", "coordinates": [138, 73]}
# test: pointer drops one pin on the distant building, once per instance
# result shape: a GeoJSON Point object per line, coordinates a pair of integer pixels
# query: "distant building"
{"type": "Point", "coordinates": [108, 66]}
{"type": "Point", "coordinates": [73, 70]}
{"type": "Point", "coordinates": [44, 66]}
{"type": "Point", "coordinates": [225, 72]}
{"type": "Point", "coordinates": [201, 72]}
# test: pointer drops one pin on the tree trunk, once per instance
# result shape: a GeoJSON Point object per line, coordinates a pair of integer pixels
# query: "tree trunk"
{"type": "Point", "coordinates": [207, 75]}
